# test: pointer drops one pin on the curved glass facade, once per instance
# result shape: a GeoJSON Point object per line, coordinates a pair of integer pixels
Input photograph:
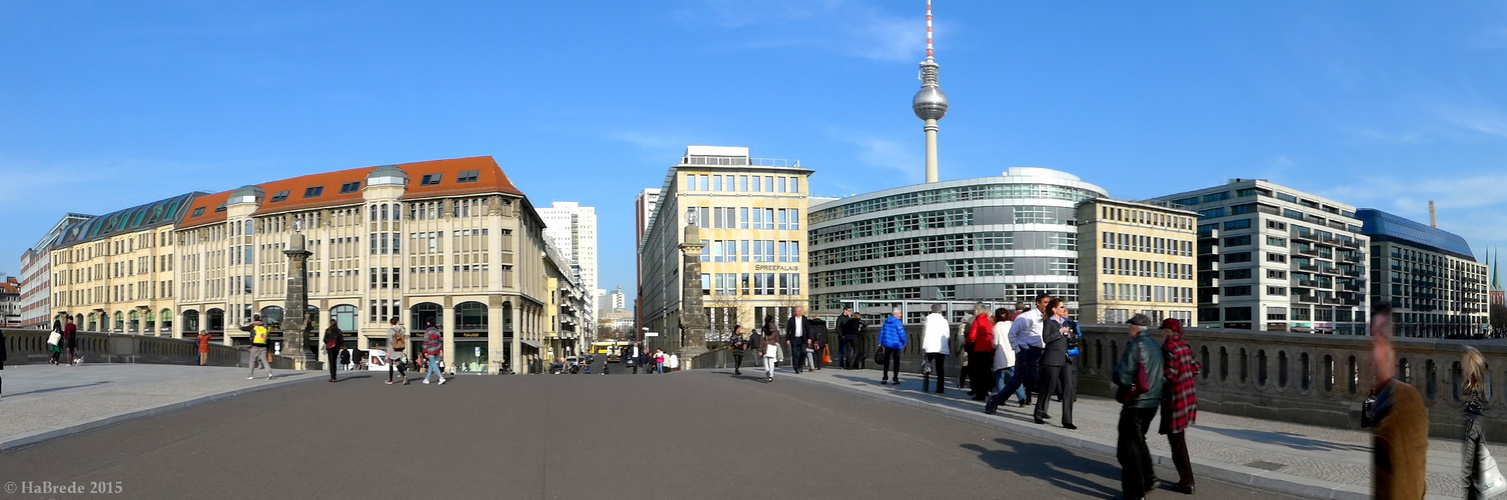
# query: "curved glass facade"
{"type": "Point", "coordinates": [993, 239]}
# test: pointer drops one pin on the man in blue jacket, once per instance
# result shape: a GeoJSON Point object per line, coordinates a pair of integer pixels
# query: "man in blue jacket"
{"type": "Point", "coordinates": [892, 340]}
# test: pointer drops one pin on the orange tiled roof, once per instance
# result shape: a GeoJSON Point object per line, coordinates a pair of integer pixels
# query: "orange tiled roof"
{"type": "Point", "coordinates": [489, 179]}
{"type": "Point", "coordinates": [10, 287]}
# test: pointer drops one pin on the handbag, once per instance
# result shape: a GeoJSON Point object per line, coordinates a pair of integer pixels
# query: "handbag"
{"type": "Point", "coordinates": [881, 355]}
{"type": "Point", "coordinates": [1489, 482]}
{"type": "Point", "coordinates": [54, 338]}
{"type": "Point", "coordinates": [771, 351]}
{"type": "Point", "coordinates": [1127, 394]}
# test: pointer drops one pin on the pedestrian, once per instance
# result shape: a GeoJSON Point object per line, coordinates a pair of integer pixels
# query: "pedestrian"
{"type": "Point", "coordinates": [345, 359]}
{"type": "Point", "coordinates": [434, 348]}
{"type": "Point", "coordinates": [1479, 483]}
{"type": "Point", "coordinates": [659, 361]}
{"type": "Point", "coordinates": [203, 339]}
{"type": "Point", "coordinates": [332, 340]}
{"type": "Point", "coordinates": [1180, 406]}
{"type": "Point", "coordinates": [55, 342]}
{"type": "Point", "coordinates": [1004, 356]}
{"type": "Point", "coordinates": [980, 351]}
{"type": "Point", "coordinates": [631, 358]}
{"type": "Point", "coordinates": [1140, 378]}
{"type": "Point", "coordinates": [397, 357]}
{"type": "Point", "coordinates": [936, 337]}
{"type": "Point", "coordinates": [1400, 443]}
{"type": "Point", "coordinates": [258, 346]}
{"type": "Point", "coordinates": [798, 338]}
{"type": "Point", "coordinates": [1025, 338]}
{"type": "Point", "coordinates": [770, 352]}
{"type": "Point", "coordinates": [818, 342]}
{"type": "Point", "coordinates": [70, 343]}
{"type": "Point", "coordinates": [738, 346]}
{"type": "Point", "coordinates": [891, 341]}
{"type": "Point", "coordinates": [1053, 366]}
{"type": "Point", "coordinates": [850, 325]}
{"type": "Point", "coordinates": [674, 361]}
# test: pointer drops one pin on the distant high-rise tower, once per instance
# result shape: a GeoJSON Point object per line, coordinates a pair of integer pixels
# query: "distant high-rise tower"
{"type": "Point", "coordinates": [930, 104]}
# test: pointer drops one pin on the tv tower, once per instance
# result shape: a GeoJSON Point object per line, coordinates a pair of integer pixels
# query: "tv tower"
{"type": "Point", "coordinates": [930, 104]}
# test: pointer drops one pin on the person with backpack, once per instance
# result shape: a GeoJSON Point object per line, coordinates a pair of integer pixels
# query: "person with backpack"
{"type": "Point", "coordinates": [332, 340]}
{"type": "Point", "coordinates": [397, 343]}
{"type": "Point", "coordinates": [433, 347]}
{"type": "Point", "coordinates": [55, 342]}
{"type": "Point", "coordinates": [258, 333]}
{"type": "Point", "coordinates": [738, 346]}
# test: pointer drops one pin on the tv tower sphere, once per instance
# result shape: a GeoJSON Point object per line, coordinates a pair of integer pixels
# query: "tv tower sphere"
{"type": "Point", "coordinates": [930, 103]}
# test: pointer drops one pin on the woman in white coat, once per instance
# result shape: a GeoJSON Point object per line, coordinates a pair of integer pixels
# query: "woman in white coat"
{"type": "Point", "coordinates": [1004, 353]}
{"type": "Point", "coordinates": [936, 334]}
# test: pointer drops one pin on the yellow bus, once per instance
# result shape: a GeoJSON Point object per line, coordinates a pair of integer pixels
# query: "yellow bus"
{"type": "Point", "coordinates": [613, 350]}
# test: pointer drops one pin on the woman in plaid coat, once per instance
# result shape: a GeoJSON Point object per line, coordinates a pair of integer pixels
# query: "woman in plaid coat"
{"type": "Point", "coordinates": [1180, 405]}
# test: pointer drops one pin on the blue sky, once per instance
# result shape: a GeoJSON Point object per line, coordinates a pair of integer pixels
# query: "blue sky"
{"type": "Point", "coordinates": [1376, 104]}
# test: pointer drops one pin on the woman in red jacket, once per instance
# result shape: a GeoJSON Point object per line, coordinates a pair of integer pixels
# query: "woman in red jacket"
{"type": "Point", "coordinates": [980, 347]}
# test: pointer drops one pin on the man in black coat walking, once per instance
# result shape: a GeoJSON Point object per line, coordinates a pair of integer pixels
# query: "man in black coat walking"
{"type": "Point", "coordinates": [847, 346]}
{"type": "Point", "coordinates": [798, 337]}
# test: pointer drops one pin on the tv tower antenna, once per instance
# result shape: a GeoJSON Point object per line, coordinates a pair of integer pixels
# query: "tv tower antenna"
{"type": "Point", "coordinates": [930, 104]}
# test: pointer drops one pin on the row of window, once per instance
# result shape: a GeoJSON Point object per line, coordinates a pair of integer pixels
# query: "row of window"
{"type": "Point", "coordinates": [751, 251]}
{"type": "Point", "coordinates": [1147, 244]}
{"type": "Point", "coordinates": [1147, 269]}
{"type": "Point", "coordinates": [1146, 217]}
{"type": "Point", "coordinates": [748, 218]}
{"type": "Point", "coordinates": [944, 243]}
{"type": "Point", "coordinates": [742, 183]}
{"type": "Point", "coordinates": [732, 284]}
{"type": "Point", "coordinates": [955, 194]}
{"type": "Point", "coordinates": [1130, 292]}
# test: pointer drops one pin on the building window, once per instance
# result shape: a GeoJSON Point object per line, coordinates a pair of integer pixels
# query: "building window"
{"type": "Point", "coordinates": [1237, 224]}
{"type": "Point", "coordinates": [467, 176]}
{"type": "Point", "coordinates": [431, 179]}
{"type": "Point", "coordinates": [313, 192]}
{"type": "Point", "coordinates": [220, 208]}
{"type": "Point", "coordinates": [1276, 290]}
{"type": "Point", "coordinates": [350, 187]}
{"type": "Point", "coordinates": [280, 196]}
{"type": "Point", "coordinates": [1237, 291]}
{"type": "Point", "coordinates": [1237, 257]}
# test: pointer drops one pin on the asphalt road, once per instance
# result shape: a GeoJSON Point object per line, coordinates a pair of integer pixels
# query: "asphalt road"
{"type": "Point", "coordinates": [702, 434]}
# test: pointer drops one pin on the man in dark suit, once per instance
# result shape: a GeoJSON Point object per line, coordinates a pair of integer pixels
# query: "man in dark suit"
{"type": "Point", "coordinates": [847, 347]}
{"type": "Point", "coordinates": [798, 337]}
{"type": "Point", "coordinates": [1054, 335]}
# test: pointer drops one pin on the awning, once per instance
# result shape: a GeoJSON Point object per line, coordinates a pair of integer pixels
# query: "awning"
{"type": "Point", "coordinates": [532, 344]}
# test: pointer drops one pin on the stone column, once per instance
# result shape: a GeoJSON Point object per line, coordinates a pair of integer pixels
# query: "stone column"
{"type": "Point", "coordinates": [494, 333]}
{"type": "Point", "coordinates": [693, 321]}
{"type": "Point", "coordinates": [295, 307]}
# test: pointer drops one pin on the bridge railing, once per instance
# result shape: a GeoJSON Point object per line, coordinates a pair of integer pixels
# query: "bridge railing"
{"type": "Point", "coordinates": [1303, 378]}
{"type": "Point", "coordinates": [28, 346]}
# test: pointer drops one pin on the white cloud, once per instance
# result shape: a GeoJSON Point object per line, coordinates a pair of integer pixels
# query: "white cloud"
{"type": "Point", "coordinates": [650, 141]}
{"type": "Point", "coordinates": [1472, 205]}
{"type": "Point", "coordinates": [901, 157]}
{"type": "Point", "coordinates": [1478, 119]}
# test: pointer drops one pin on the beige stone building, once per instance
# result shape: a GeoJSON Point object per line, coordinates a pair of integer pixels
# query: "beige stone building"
{"type": "Point", "coordinates": [1136, 258]}
{"type": "Point", "coordinates": [449, 241]}
{"type": "Point", "coordinates": [114, 273]}
{"type": "Point", "coordinates": [751, 214]}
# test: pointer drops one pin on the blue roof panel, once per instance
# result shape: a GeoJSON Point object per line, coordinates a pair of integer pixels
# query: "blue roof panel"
{"type": "Point", "coordinates": [1379, 223]}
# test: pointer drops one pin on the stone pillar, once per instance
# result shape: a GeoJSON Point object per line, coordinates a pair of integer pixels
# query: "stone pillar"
{"type": "Point", "coordinates": [693, 321]}
{"type": "Point", "coordinates": [295, 307]}
{"type": "Point", "coordinates": [494, 334]}
{"type": "Point", "coordinates": [515, 359]}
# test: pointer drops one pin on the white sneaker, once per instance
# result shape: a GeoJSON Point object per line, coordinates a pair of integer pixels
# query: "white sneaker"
{"type": "Point", "coordinates": [250, 378]}
{"type": "Point", "coordinates": [269, 376]}
{"type": "Point", "coordinates": [442, 381]}
{"type": "Point", "coordinates": [426, 381]}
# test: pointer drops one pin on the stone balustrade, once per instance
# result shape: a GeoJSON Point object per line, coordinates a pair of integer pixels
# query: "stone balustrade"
{"type": "Point", "coordinates": [27, 346]}
{"type": "Point", "coordinates": [1303, 378]}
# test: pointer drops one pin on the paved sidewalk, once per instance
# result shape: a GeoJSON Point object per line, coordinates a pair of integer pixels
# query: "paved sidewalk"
{"type": "Point", "coordinates": [43, 402]}
{"type": "Point", "coordinates": [1309, 461]}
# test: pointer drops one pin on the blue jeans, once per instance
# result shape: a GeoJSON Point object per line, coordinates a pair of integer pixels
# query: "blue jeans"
{"type": "Point", "coordinates": [434, 368]}
{"type": "Point", "coordinates": [1003, 374]}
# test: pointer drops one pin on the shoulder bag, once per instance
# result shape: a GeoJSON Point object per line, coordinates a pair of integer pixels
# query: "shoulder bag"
{"type": "Point", "coordinates": [1127, 394]}
{"type": "Point", "coordinates": [881, 355]}
{"type": "Point", "coordinates": [1489, 481]}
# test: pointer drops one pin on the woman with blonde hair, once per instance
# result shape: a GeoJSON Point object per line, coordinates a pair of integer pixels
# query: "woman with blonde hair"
{"type": "Point", "coordinates": [1479, 484]}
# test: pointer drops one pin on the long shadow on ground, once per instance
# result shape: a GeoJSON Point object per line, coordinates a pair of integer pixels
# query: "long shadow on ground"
{"type": "Point", "coordinates": [1060, 467]}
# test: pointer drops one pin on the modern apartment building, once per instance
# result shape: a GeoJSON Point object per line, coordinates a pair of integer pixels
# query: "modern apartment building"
{"type": "Point", "coordinates": [993, 239]}
{"type": "Point", "coordinates": [573, 230]}
{"type": "Point", "coordinates": [36, 275]}
{"type": "Point", "coordinates": [1135, 258]}
{"type": "Point", "coordinates": [1277, 259]}
{"type": "Point", "coordinates": [1429, 276]}
{"type": "Point", "coordinates": [452, 241]}
{"type": "Point", "coordinates": [750, 213]}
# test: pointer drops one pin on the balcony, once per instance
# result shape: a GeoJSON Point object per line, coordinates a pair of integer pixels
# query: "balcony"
{"type": "Point", "coordinates": [1329, 270]}
{"type": "Point", "coordinates": [1330, 240]}
{"type": "Point", "coordinates": [1353, 273]}
{"type": "Point", "coordinates": [1308, 251]}
{"type": "Point", "coordinates": [1306, 299]}
{"type": "Point", "coordinates": [1307, 267]}
{"type": "Point", "coordinates": [1308, 283]}
{"type": "Point", "coordinates": [1304, 235]}
{"type": "Point", "coordinates": [1350, 244]}
{"type": "Point", "coordinates": [1208, 234]}
{"type": "Point", "coordinates": [1331, 301]}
